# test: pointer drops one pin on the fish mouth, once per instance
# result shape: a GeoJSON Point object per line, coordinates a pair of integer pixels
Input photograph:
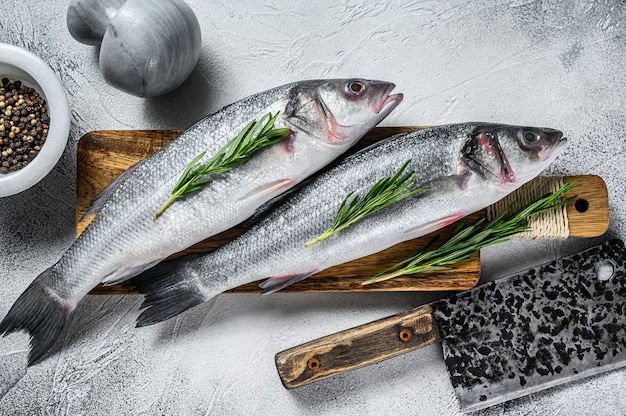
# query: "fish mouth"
{"type": "Point", "coordinates": [548, 153]}
{"type": "Point", "coordinates": [387, 102]}
{"type": "Point", "coordinates": [382, 105]}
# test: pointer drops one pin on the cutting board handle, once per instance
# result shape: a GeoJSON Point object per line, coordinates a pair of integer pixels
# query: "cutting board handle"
{"type": "Point", "coordinates": [357, 347]}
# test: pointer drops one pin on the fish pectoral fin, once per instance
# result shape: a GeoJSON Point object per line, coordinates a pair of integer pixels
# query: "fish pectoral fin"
{"type": "Point", "coordinates": [275, 201]}
{"type": "Point", "coordinates": [125, 273]}
{"type": "Point", "coordinates": [275, 187]}
{"type": "Point", "coordinates": [98, 202]}
{"type": "Point", "coordinates": [276, 283]}
{"type": "Point", "coordinates": [433, 226]}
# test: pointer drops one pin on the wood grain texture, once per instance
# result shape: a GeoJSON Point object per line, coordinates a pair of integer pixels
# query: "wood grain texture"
{"type": "Point", "coordinates": [356, 347]}
{"type": "Point", "coordinates": [588, 214]}
{"type": "Point", "coordinates": [103, 155]}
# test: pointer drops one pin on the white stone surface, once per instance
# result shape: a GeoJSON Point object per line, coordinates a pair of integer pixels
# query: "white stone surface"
{"type": "Point", "coordinates": [550, 63]}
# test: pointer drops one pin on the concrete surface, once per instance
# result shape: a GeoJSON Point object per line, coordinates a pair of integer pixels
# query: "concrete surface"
{"type": "Point", "coordinates": [547, 63]}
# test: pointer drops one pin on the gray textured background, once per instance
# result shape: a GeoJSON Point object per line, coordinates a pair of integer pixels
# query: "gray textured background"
{"type": "Point", "coordinates": [548, 63]}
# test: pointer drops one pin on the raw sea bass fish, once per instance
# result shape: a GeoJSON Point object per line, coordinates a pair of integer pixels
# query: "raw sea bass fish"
{"type": "Point", "coordinates": [465, 167]}
{"type": "Point", "coordinates": [326, 118]}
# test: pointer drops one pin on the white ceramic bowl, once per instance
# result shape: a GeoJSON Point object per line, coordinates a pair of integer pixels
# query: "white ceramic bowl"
{"type": "Point", "coordinates": [22, 65]}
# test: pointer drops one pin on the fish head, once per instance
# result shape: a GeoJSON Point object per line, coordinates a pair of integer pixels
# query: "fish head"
{"type": "Point", "coordinates": [338, 112]}
{"type": "Point", "coordinates": [510, 156]}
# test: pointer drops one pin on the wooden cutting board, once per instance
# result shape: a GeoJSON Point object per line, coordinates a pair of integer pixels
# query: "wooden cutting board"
{"type": "Point", "coordinates": [103, 155]}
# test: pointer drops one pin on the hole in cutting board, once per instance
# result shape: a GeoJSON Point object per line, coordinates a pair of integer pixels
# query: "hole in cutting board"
{"type": "Point", "coordinates": [581, 205]}
{"type": "Point", "coordinates": [604, 270]}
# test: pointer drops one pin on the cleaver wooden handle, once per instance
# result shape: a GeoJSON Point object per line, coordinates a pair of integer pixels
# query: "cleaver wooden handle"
{"type": "Point", "coordinates": [357, 347]}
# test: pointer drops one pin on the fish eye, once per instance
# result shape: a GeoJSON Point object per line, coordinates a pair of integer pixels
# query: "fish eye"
{"type": "Point", "coordinates": [529, 138]}
{"type": "Point", "coordinates": [356, 87]}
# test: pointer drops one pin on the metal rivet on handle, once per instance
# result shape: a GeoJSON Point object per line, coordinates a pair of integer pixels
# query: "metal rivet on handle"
{"type": "Point", "coordinates": [313, 364]}
{"type": "Point", "coordinates": [406, 335]}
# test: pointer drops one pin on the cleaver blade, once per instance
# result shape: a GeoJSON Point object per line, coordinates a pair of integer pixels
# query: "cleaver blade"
{"type": "Point", "coordinates": [546, 326]}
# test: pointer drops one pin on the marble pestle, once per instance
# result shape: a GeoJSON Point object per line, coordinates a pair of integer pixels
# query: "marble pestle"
{"type": "Point", "coordinates": [147, 47]}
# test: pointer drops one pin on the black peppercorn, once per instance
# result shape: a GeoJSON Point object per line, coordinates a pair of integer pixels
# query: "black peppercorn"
{"type": "Point", "coordinates": [24, 125]}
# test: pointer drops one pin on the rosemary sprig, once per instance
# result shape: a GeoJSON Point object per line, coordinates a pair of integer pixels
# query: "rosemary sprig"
{"type": "Point", "coordinates": [383, 193]}
{"type": "Point", "coordinates": [467, 241]}
{"type": "Point", "coordinates": [255, 136]}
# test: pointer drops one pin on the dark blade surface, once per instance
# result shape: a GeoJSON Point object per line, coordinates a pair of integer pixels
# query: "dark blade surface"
{"type": "Point", "coordinates": [546, 326]}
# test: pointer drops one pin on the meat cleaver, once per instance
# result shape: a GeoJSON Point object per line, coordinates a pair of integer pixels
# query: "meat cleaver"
{"type": "Point", "coordinates": [549, 325]}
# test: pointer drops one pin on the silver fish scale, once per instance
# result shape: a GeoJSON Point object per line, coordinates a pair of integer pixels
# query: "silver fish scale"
{"type": "Point", "coordinates": [546, 326]}
{"type": "Point", "coordinates": [275, 246]}
{"type": "Point", "coordinates": [112, 233]}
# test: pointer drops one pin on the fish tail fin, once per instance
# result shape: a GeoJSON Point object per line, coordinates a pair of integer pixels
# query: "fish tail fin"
{"type": "Point", "coordinates": [41, 312]}
{"type": "Point", "coordinates": [167, 293]}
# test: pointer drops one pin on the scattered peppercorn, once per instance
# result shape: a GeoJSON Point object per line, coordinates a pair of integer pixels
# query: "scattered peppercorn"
{"type": "Point", "coordinates": [24, 124]}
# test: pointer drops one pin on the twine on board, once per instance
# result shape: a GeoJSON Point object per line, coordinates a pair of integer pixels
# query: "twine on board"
{"type": "Point", "coordinates": [549, 224]}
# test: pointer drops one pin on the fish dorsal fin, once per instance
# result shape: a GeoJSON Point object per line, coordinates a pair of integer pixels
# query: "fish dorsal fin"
{"type": "Point", "coordinates": [98, 202]}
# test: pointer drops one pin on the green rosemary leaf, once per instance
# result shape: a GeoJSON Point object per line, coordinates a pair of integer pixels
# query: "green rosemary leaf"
{"type": "Point", "coordinates": [195, 163]}
{"type": "Point", "coordinates": [255, 136]}
{"type": "Point", "coordinates": [383, 193]}
{"type": "Point", "coordinates": [466, 241]}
